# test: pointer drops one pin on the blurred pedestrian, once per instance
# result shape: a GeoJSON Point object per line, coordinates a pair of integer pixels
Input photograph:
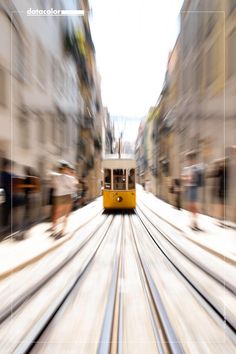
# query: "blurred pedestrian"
{"type": "Point", "coordinates": [220, 173]}
{"type": "Point", "coordinates": [222, 188]}
{"type": "Point", "coordinates": [13, 208]}
{"type": "Point", "coordinates": [74, 196]}
{"type": "Point", "coordinates": [6, 184]}
{"type": "Point", "coordinates": [32, 195]}
{"type": "Point", "coordinates": [64, 186]}
{"type": "Point", "coordinates": [177, 192]}
{"type": "Point", "coordinates": [191, 178]}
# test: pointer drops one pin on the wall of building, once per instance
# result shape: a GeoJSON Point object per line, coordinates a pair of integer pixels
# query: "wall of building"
{"type": "Point", "coordinates": [196, 109]}
{"type": "Point", "coordinates": [50, 102]}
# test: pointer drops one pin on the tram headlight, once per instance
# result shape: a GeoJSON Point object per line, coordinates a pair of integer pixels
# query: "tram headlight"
{"type": "Point", "coordinates": [119, 199]}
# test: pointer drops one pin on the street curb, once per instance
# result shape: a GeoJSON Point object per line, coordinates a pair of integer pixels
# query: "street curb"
{"type": "Point", "coordinates": [32, 260]}
{"type": "Point", "coordinates": [216, 253]}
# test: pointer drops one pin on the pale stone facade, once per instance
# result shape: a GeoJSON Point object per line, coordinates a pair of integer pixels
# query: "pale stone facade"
{"type": "Point", "coordinates": [50, 100]}
{"type": "Point", "coordinates": [196, 109]}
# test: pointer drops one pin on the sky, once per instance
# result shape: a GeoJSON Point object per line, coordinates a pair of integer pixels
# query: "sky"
{"type": "Point", "coordinates": [132, 40]}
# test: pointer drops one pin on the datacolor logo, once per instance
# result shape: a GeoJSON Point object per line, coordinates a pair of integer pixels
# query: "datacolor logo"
{"type": "Point", "coordinates": [54, 12]}
{"type": "Point", "coordinates": [37, 12]}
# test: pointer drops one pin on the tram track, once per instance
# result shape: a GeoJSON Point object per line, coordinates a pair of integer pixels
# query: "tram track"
{"type": "Point", "coordinates": [166, 338]}
{"type": "Point", "coordinates": [183, 249]}
{"type": "Point", "coordinates": [165, 273]}
{"type": "Point", "coordinates": [224, 257]}
{"type": "Point", "coordinates": [15, 301]}
{"type": "Point", "coordinates": [213, 302]}
{"type": "Point", "coordinates": [45, 317]}
{"type": "Point", "coordinates": [108, 323]}
{"type": "Point", "coordinates": [111, 333]}
{"type": "Point", "coordinates": [222, 279]}
{"type": "Point", "coordinates": [114, 301]}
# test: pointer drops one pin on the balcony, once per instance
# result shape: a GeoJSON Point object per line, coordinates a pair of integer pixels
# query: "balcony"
{"type": "Point", "coordinates": [74, 45]}
{"type": "Point", "coordinates": [98, 143]}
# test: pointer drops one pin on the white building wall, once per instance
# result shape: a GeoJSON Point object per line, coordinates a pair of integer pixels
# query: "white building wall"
{"type": "Point", "coordinates": [33, 132]}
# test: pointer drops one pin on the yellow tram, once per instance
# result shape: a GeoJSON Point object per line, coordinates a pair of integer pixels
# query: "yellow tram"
{"type": "Point", "coordinates": [119, 183]}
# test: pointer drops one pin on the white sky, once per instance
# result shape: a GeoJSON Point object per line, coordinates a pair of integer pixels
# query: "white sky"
{"type": "Point", "coordinates": [132, 40]}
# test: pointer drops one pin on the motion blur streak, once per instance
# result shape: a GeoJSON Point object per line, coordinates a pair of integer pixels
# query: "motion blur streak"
{"type": "Point", "coordinates": [50, 102]}
{"type": "Point", "coordinates": [195, 112]}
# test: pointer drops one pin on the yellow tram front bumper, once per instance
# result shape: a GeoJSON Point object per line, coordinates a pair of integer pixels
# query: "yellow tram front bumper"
{"type": "Point", "coordinates": [119, 199]}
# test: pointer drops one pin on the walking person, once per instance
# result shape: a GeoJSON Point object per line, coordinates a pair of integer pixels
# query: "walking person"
{"type": "Point", "coordinates": [175, 189]}
{"type": "Point", "coordinates": [64, 186]}
{"type": "Point", "coordinates": [190, 179]}
{"type": "Point", "coordinates": [6, 184]}
{"type": "Point", "coordinates": [221, 188]}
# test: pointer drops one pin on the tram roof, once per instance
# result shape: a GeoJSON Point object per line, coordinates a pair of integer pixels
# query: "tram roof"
{"type": "Point", "coordinates": [119, 163]}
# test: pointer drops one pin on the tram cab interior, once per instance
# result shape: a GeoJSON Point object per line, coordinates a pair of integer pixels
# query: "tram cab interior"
{"type": "Point", "coordinates": [119, 184]}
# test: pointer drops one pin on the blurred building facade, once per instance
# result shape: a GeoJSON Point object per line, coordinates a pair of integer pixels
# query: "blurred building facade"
{"type": "Point", "coordinates": [196, 110]}
{"type": "Point", "coordinates": [109, 134]}
{"type": "Point", "coordinates": [50, 99]}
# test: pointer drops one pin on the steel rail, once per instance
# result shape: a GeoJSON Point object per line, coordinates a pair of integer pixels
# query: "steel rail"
{"type": "Point", "coordinates": [151, 305]}
{"type": "Point", "coordinates": [105, 341]}
{"type": "Point", "coordinates": [120, 300]}
{"type": "Point", "coordinates": [169, 333]}
{"type": "Point", "coordinates": [208, 249]}
{"type": "Point", "coordinates": [8, 310]}
{"type": "Point", "coordinates": [229, 323]}
{"type": "Point", "coordinates": [180, 249]}
{"type": "Point", "coordinates": [37, 330]}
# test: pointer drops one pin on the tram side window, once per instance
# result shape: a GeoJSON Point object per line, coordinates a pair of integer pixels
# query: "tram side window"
{"type": "Point", "coordinates": [119, 179]}
{"type": "Point", "coordinates": [131, 178]}
{"type": "Point", "coordinates": [107, 178]}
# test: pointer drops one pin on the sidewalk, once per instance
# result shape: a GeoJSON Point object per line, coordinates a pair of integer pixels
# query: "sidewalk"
{"type": "Point", "coordinates": [220, 241]}
{"type": "Point", "coordinates": [15, 255]}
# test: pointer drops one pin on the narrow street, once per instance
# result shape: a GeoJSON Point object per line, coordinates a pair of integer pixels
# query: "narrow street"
{"type": "Point", "coordinates": [117, 284]}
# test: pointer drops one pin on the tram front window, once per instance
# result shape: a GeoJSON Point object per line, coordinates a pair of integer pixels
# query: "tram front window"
{"type": "Point", "coordinates": [119, 179]}
{"type": "Point", "coordinates": [107, 179]}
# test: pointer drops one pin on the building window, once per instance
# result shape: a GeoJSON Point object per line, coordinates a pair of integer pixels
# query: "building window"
{"type": "Point", "coordinates": [41, 167]}
{"type": "Point", "coordinates": [55, 74]}
{"type": "Point", "coordinates": [107, 179]}
{"type": "Point", "coordinates": [18, 56]}
{"type": "Point", "coordinates": [24, 132]}
{"type": "Point", "coordinates": [232, 6]}
{"type": "Point", "coordinates": [186, 78]}
{"type": "Point", "coordinates": [198, 75]}
{"type": "Point", "coordinates": [51, 127]}
{"type": "Point", "coordinates": [41, 130]}
{"type": "Point", "coordinates": [131, 178]}
{"type": "Point", "coordinates": [211, 20]}
{"type": "Point", "coordinates": [232, 54]}
{"type": "Point", "coordinates": [60, 82]}
{"type": "Point", "coordinates": [119, 179]}
{"type": "Point", "coordinates": [2, 87]}
{"type": "Point", "coordinates": [55, 130]}
{"type": "Point", "coordinates": [186, 37]}
{"type": "Point", "coordinates": [211, 66]}
{"type": "Point", "coordinates": [67, 132]}
{"type": "Point", "coordinates": [41, 65]}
